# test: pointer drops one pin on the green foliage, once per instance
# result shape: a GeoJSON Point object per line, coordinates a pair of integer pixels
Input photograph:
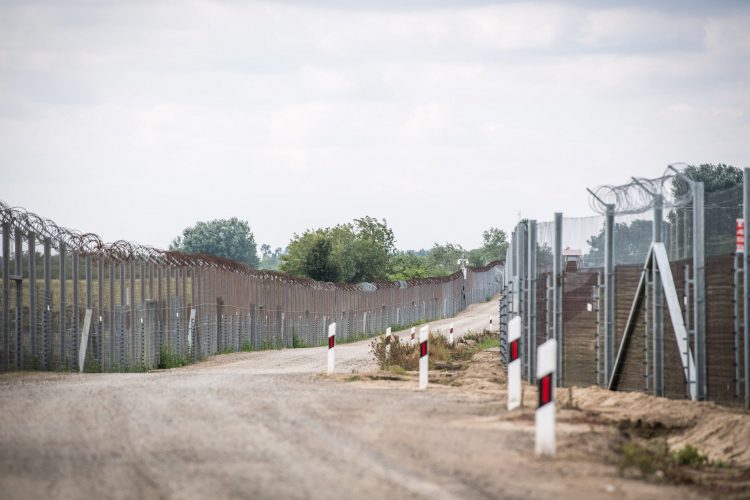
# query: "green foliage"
{"type": "Point", "coordinates": [231, 238]}
{"type": "Point", "coordinates": [488, 343]}
{"type": "Point", "coordinates": [406, 266]}
{"type": "Point", "coordinates": [445, 257]}
{"type": "Point", "coordinates": [714, 177]}
{"type": "Point", "coordinates": [657, 459]}
{"type": "Point", "coordinates": [631, 243]}
{"type": "Point", "coordinates": [169, 359]}
{"type": "Point", "coordinates": [360, 251]}
{"type": "Point", "coordinates": [690, 455]}
{"type": "Point", "coordinates": [318, 262]}
{"type": "Point", "coordinates": [269, 259]}
{"type": "Point", "coordinates": [494, 245]}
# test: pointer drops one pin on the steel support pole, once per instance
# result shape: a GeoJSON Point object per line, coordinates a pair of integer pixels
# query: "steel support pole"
{"type": "Point", "coordinates": [609, 293]}
{"type": "Point", "coordinates": [74, 340]}
{"type": "Point", "coordinates": [19, 299]}
{"type": "Point", "coordinates": [521, 268]}
{"type": "Point", "coordinates": [746, 287]}
{"type": "Point", "coordinates": [531, 301]}
{"type": "Point", "coordinates": [6, 296]}
{"type": "Point", "coordinates": [90, 302]}
{"type": "Point", "coordinates": [63, 303]}
{"type": "Point", "coordinates": [658, 297]}
{"type": "Point", "coordinates": [557, 294]}
{"type": "Point", "coordinates": [47, 326]}
{"type": "Point", "coordinates": [100, 312]}
{"type": "Point", "coordinates": [699, 266]}
{"type": "Point", "coordinates": [33, 313]}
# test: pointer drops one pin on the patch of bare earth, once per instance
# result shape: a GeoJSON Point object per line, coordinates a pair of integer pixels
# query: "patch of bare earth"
{"type": "Point", "coordinates": [594, 424]}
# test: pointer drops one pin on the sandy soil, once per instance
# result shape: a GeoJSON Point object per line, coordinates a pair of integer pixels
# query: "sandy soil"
{"type": "Point", "coordinates": [268, 425]}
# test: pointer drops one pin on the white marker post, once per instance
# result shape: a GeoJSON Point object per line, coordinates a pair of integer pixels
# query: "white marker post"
{"type": "Point", "coordinates": [545, 412]}
{"type": "Point", "coordinates": [423, 357]}
{"type": "Point", "coordinates": [388, 339]}
{"type": "Point", "coordinates": [84, 339]}
{"type": "Point", "coordinates": [490, 323]}
{"type": "Point", "coordinates": [514, 363]}
{"type": "Point", "coordinates": [450, 338]}
{"type": "Point", "coordinates": [331, 346]}
{"type": "Point", "coordinates": [413, 330]}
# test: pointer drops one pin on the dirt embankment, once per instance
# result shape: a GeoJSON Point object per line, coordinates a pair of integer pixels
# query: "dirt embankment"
{"type": "Point", "coordinates": [594, 423]}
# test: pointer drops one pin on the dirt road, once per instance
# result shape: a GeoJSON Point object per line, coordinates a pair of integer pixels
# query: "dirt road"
{"type": "Point", "coordinates": [266, 425]}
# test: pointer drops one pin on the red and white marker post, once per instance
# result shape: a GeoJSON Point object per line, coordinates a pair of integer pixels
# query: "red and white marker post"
{"type": "Point", "coordinates": [545, 412]}
{"type": "Point", "coordinates": [423, 357]}
{"type": "Point", "coordinates": [490, 323]}
{"type": "Point", "coordinates": [413, 330]}
{"type": "Point", "coordinates": [514, 363]}
{"type": "Point", "coordinates": [388, 339]}
{"type": "Point", "coordinates": [450, 337]}
{"type": "Point", "coordinates": [331, 347]}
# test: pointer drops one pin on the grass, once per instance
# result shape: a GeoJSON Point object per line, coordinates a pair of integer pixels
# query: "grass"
{"type": "Point", "coordinates": [659, 461]}
{"type": "Point", "coordinates": [169, 359]}
{"type": "Point", "coordinates": [405, 355]}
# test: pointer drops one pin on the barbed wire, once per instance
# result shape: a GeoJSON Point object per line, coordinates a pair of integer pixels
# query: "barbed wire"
{"type": "Point", "coordinates": [638, 196]}
{"type": "Point", "coordinates": [89, 244]}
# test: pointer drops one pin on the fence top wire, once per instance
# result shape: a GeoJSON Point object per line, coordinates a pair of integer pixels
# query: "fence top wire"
{"type": "Point", "coordinates": [638, 196]}
{"type": "Point", "coordinates": [89, 244]}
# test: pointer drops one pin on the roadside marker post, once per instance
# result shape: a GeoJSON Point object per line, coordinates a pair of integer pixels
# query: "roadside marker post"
{"type": "Point", "coordinates": [388, 339]}
{"type": "Point", "coordinates": [545, 412]}
{"type": "Point", "coordinates": [331, 347]}
{"type": "Point", "coordinates": [423, 356]}
{"type": "Point", "coordinates": [413, 330]}
{"type": "Point", "coordinates": [514, 363]}
{"type": "Point", "coordinates": [490, 323]}
{"type": "Point", "coordinates": [450, 339]}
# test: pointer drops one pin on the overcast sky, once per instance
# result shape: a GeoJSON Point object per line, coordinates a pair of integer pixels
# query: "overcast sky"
{"type": "Point", "coordinates": [136, 119]}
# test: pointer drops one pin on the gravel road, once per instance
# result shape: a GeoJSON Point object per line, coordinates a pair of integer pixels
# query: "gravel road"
{"type": "Point", "coordinates": [265, 425]}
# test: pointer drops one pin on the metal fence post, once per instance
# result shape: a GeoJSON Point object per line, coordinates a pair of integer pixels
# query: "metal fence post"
{"type": "Point", "coordinates": [6, 296]}
{"type": "Point", "coordinates": [609, 293]}
{"type": "Point", "coordinates": [521, 291]}
{"type": "Point", "coordinates": [33, 313]}
{"type": "Point", "coordinates": [63, 303]}
{"type": "Point", "coordinates": [658, 303]}
{"type": "Point", "coordinates": [699, 265]}
{"type": "Point", "coordinates": [74, 347]}
{"type": "Point", "coordinates": [557, 291]}
{"type": "Point", "coordinates": [47, 326]}
{"type": "Point", "coordinates": [531, 301]}
{"type": "Point", "coordinates": [18, 278]}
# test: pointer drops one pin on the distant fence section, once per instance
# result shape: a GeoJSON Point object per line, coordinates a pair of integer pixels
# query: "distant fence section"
{"type": "Point", "coordinates": [71, 302]}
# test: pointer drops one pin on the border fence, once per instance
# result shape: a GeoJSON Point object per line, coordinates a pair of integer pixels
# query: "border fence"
{"type": "Point", "coordinates": [648, 295]}
{"type": "Point", "coordinates": [71, 302]}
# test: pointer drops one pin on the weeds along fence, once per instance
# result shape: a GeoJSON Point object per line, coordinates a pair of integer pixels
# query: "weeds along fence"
{"type": "Point", "coordinates": [70, 302]}
{"type": "Point", "coordinates": [647, 295]}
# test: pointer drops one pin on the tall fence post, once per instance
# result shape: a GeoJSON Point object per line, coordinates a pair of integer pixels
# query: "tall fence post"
{"type": "Point", "coordinates": [557, 295]}
{"type": "Point", "coordinates": [521, 290]}
{"type": "Point", "coordinates": [658, 312]}
{"type": "Point", "coordinates": [47, 326]}
{"type": "Point", "coordinates": [33, 314]}
{"type": "Point", "coordinates": [6, 296]}
{"type": "Point", "coordinates": [531, 301]}
{"type": "Point", "coordinates": [609, 293]}
{"type": "Point", "coordinates": [63, 303]}
{"type": "Point", "coordinates": [699, 266]}
{"type": "Point", "coordinates": [74, 340]}
{"type": "Point", "coordinates": [18, 278]}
